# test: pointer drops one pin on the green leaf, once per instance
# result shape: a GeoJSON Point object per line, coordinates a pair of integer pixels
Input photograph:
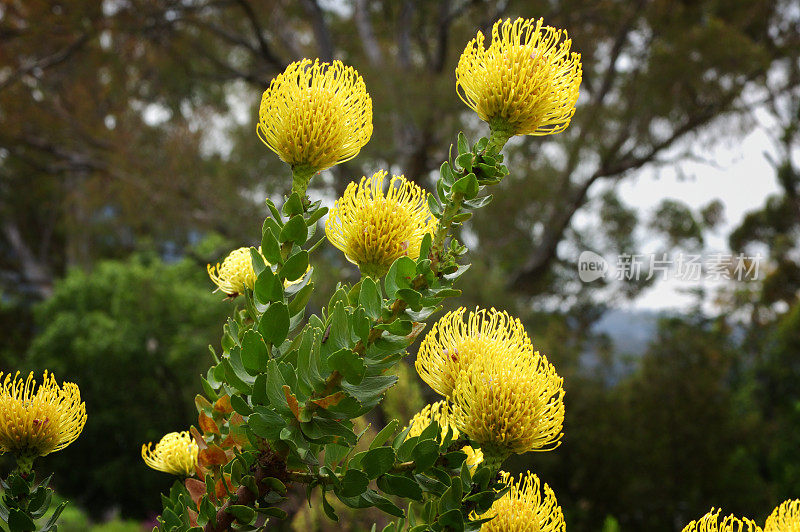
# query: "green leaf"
{"type": "Point", "coordinates": [300, 300]}
{"type": "Point", "coordinates": [272, 511]}
{"type": "Point", "coordinates": [463, 145]}
{"type": "Point", "coordinates": [434, 206]}
{"type": "Point", "coordinates": [240, 406]}
{"type": "Point", "coordinates": [293, 205]}
{"type": "Point", "coordinates": [235, 373]}
{"type": "Point", "coordinates": [329, 511]}
{"type": "Point", "coordinates": [446, 174]}
{"type": "Point", "coordinates": [243, 514]}
{"type": "Point", "coordinates": [349, 364]}
{"type": "Point", "coordinates": [369, 298]}
{"type": "Point", "coordinates": [19, 521]}
{"type": "Point", "coordinates": [266, 423]}
{"type": "Point", "coordinates": [425, 247]}
{"type": "Point", "coordinates": [385, 433]}
{"type": "Point", "coordinates": [330, 431]}
{"type": "Point", "coordinates": [425, 454]}
{"type": "Point", "coordinates": [254, 352]}
{"type": "Point", "coordinates": [465, 161]}
{"type": "Point", "coordinates": [274, 388]}
{"type": "Point", "coordinates": [339, 332]}
{"type": "Point", "coordinates": [400, 486]}
{"type": "Point", "coordinates": [270, 247]}
{"type": "Point", "coordinates": [377, 461]}
{"type": "Point", "coordinates": [268, 287]}
{"type": "Point", "coordinates": [451, 498]}
{"type": "Point", "coordinates": [51, 523]}
{"type": "Point", "coordinates": [257, 260]}
{"type": "Point", "coordinates": [452, 520]}
{"type": "Point", "coordinates": [382, 503]}
{"type": "Point", "coordinates": [397, 327]}
{"type": "Point", "coordinates": [370, 389]}
{"type": "Point", "coordinates": [295, 266]}
{"type": "Point", "coordinates": [468, 186]}
{"type": "Point", "coordinates": [295, 231]}
{"type": "Point", "coordinates": [354, 483]}
{"type": "Point", "coordinates": [400, 274]}
{"type": "Point", "coordinates": [274, 323]}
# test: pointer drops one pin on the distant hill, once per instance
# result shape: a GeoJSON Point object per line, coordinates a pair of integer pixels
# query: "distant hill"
{"type": "Point", "coordinates": [630, 330]}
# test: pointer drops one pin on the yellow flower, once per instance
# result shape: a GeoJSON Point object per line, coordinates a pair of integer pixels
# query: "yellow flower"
{"type": "Point", "coordinates": [784, 518]}
{"type": "Point", "coordinates": [315, 115]}
{"type": "Point", "coordinates": [451, 345]}
{"type": "Point", "coordinates": [710, 523]}
{"type": "Point", "coordinates": [524, 509]}
{"type": "Point", "coordinates": [176, 453]}
{"type": "Point", "coordinates": [374, 229]}
{"type": "Point", "coordinates": [525, 83]}
{"type": "Point", "coordinates": [37, 424]}
{"type": "Point", "coordinates": [235, 274]}
{"type": "Point", "coordinates": [439, 411]}
{"type": "Point", "coordinates": [509, 406]}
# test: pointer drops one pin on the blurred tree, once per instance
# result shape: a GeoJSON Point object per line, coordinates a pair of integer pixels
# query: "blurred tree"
{"type": "Point", "coordinates": [663, 444]}
{"type": "Point", "coordinates": [134, 336]}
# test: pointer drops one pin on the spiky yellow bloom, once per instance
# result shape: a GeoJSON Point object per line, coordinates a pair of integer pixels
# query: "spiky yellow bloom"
{"type": "Point", "coordinates": [525, 83]}
{"type": "Point", "coordinates": [710, 523]}
{"type": "Point", "coordinates": [315, 115]}
{"type": "Point", "coordinates": [36, 422]}
{"type": "Point", "coordinates": [784, 518]}
{"type": "Point", "coordinates": [235, 273]}
{"type": "Point", "coordinates": [440, 412]}
{"type": "Point", "coordinates": [452, 344]}
{"type": "Point", "coordinates": [509, 406]}
{"type": "Point", "coordinates": [374, 228]}
{"type": "Point", "coordinates": [175, 453]}
{"type": "Point", "coordinates": [524, 509]}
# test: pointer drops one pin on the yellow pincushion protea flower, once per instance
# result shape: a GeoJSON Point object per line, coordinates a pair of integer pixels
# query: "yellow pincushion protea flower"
{"type": "Point", "coordinates": [235, 273]}
{"type": "Point", "coordinates": [509, 406]}
{"type": "Point", "coordinates": [315, 115]}
{"type": "Point", "coordinates": [710, 523]}
{"type": "Point", "coordinates": [374, 228]}
{"type": "Point", "coordinates": [524, 509]}
{"type": "Point", "coordinates": [452, 344]}
{"type": "Point", "coordinates": [439, 412]}
{"type": "Point", "coordinates": [36, 422]}
{"type": "Point", "coordinates": [784, 518]}
{"type": "Point", "coordinates": [525, 83]}
{"type": "Point", "coordinates": [175, 453]}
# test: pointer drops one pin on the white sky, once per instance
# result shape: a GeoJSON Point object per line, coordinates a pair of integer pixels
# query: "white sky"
{"type": "Point", "coordinates": [740, 177]}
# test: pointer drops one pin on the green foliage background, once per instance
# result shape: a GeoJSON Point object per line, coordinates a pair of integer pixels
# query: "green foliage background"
{"type": "Point", "coordinates": [134, 336]}
{"type": "Point", "coordinates": [122, 141]}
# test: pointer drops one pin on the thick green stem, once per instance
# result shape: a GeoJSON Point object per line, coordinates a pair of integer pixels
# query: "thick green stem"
{"type": "Point", "coordinates": [301, 175]}
{"type": "Point", "coordinates": [450, 211]}
{"type": "Point", "coordinates": [501, 131]}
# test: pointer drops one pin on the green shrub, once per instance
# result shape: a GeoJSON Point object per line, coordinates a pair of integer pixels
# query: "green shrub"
{"type": "Point", "coordinates": [134, 336]}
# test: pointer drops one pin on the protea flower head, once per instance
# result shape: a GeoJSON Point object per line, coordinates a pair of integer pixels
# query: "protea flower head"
{"type": "Point", "coordinates": [175, 453]}
{"type": "Point", "coordinates": [36, 422]}
{"type": "Point", "coordinates": [374, 228]}
{"type": "Point", "coordinates": [524, 509]}
{"type": "Point", "coordinates": [711, 523]}
{"type": "Point", "coordinates": [785, 517]}
{"type": "Point", "coordinates": [315, 115]}
{"type": "Point", "coordinates": [525, 83]}
{"type": "Point", "coordinates": [235, 273]}
{"type": "Point", "coordinates": [509, 406]}
{"type": "Point", "coordinates": [453, 344]}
